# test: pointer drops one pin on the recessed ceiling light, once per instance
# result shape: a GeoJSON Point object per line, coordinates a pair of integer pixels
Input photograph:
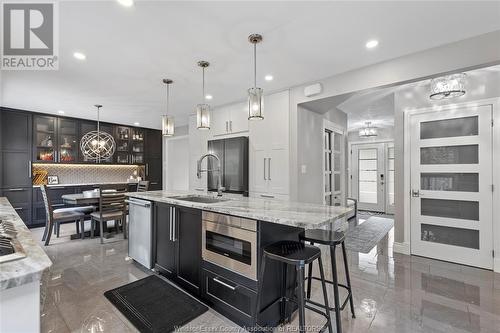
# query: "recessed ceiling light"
{"type": "Point", "coordinates": [126, 3]}
{"type": "Point", "coordinates": [136, 124]}
{"type": "Point", "coordinates": [268, 77]}
{"type": "Point", "coordinates": [371, 44]}
{"type": "Point", "coordinates": [208, 97]}
{"type": "Point", "coordinates": [79, 56]}
{"type": "Point", "coordinates": [60, 112]}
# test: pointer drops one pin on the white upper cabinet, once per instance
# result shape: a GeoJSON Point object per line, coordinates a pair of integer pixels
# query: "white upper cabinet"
{"type": "Point", "coordinates": [269, 148]}
{"type": "Point", "coordinates": [229, 119]}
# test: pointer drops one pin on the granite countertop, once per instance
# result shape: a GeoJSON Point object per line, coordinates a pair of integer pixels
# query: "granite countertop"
{"type": "Point", "coordinates": [88, 184]}
{"type": "Point", "coordinates": [29, 269]}
{"type": "Point", "coordinates": [301, 215]}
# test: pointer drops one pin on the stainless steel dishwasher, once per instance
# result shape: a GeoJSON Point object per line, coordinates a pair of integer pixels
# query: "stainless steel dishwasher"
{"type": "Point", "coordinates": [140, 231]}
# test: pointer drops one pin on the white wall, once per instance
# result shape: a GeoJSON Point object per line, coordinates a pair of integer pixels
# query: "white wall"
{"type": "Point", "coordinates": [177, 163]}
{"type": "Point", "coordinates": [310, 151]}
{"type": "Point", "coordinates": [466, 54]}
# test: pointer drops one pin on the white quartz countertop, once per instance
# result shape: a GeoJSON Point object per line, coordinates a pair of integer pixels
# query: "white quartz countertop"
{"type": "Point", "coordinates": [296, 214]}
{"type": "Point", "coordinates": [29, 269]}
{"type": "Point", "coordinates": [89, 184]}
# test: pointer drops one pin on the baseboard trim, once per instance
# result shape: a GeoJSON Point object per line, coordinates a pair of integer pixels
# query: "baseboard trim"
{"type": "Point", "coordinates": [403, 248]}
{"type": "Point", "coordinates": [496, 265]}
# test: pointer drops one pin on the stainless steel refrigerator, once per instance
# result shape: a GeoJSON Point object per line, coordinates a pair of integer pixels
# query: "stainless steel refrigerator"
{"type": "Point", "coordinates": [233, 154]}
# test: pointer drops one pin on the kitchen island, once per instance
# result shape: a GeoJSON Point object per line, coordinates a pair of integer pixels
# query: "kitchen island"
{"type": "Point", "coordinates": [20, 277]}
{"type": "Point", "coordinates": [212, 247]}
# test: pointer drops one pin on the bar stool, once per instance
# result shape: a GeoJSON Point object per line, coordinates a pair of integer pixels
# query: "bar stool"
{"type": "Point", "coordinates": [296, 254]}
{"type": "Point", "coordinates": [332, 239]}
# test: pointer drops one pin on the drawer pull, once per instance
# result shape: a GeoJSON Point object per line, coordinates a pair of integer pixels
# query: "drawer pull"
{"type": "Point", "coordinates": [223, 283]}
{"type": "Point", "coordinates": [58, 205]}
{"type": "Point", "coordinates": [267, 196]}
{"type": "Point", "coordinates": [18, 208]}
{"type": "Point", "coordinates": [16, 190]}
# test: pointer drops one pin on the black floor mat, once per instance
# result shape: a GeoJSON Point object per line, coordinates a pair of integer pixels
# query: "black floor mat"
{"type": "Point", "coordinates": [154, 305]}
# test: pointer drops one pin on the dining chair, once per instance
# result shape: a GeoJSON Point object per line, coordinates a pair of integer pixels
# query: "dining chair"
{"type": "Point", "coordinates": [143, 186]}
{"type": "Point", "coordinates": [57, 216]}
{"type": "Point", "coordinates": [112, 207]}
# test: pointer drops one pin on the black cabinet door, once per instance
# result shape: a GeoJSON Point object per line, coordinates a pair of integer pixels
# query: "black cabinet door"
{"type": "Point", "coordinates": [154, 173]}
{"type": "Point", "coordinates": [44, 139]}
{"type": "Point", "coordinates": [20, 199]}
{"type": "Point", "coordinates": [15, 131]}
{"type": "Point", "coordinates": [67, 140]}
{"type": "Point", "coordinates": [165, 250]}
{"type": "Point", "coordinates": [188, 239]}
{"type": "Point", "coordinates": [154, 141]}
{"type": "Point", "coordinates": [16, 169]}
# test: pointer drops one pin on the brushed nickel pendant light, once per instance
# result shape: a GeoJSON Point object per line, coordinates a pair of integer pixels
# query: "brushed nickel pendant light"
{"type": "Point", "coordinates": [167, 121]}
{"type": "Point", "coordinates": [255, 94]}
{"type": "Point", "coordinates": [97, 145]}
{"type": "Point", "coordinates": [203, 109]}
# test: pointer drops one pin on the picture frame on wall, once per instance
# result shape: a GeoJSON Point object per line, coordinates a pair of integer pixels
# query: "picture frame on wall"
{"type": "Point", "coordinates": [52, 180]}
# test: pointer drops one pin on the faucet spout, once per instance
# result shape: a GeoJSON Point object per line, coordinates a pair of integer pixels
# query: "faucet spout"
{"type": "Point", "coordinates": [199, 170]}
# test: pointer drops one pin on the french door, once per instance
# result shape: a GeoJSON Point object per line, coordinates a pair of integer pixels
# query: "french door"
{"type": "Point", "coordinates": [368, 176]}
{"type": "Point", "coordinates": [451, 185]}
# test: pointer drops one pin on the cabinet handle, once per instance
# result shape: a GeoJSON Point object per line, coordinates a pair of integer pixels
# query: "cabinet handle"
{"type": "Point", "coordinates": [29, 169]}
{"type": "Point", "coordinates": [226, 127]}
{"type": "Point", "coordinates": [264, 168]}
{"type": "Point", "coordinates": [223, 283]}
{"type": "Point", "coordinates": [18, 208]}
{"type": "Point", "coordinates": [154, 183]}
{"type": "Point", "coordinates": [231, 126]}
{"type": "Point", "coordinates": [174, 232]}
{"type": "Point", "coordinates": [269, 168]}
{"type": "Point", "coordinates": [170, 223]}
{"type": "Point", "coordinates": [57, 205]}
{"type": "Point", "coordinates": [267, 196]}
{"type": "Point", "coordinates": [15, 189]}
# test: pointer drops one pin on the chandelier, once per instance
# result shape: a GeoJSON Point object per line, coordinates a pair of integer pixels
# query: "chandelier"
{"type": "Point", "coordinates": [255, 95]}
{"type": "Point", "coordinates": [449, 86]}
{"type": "Point", "coordinates": [97, 145]}
{"type": "Point", "coordinates": [368, 131]}
{"type": "Point", "coordinates": [203, 109]}
{"type": "Point", "coordinates": [167, 122]}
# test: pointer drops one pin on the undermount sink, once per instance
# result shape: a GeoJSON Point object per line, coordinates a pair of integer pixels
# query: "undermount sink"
{"type": "Point", "coordinates": [199, 198]}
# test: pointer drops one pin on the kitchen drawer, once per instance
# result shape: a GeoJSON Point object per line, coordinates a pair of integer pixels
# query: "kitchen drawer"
{"type": "Point", "coordinates": [229, 298]}
{"type": "Point", "coordinates": [24, 212]}
{"type": "Point", "coordinates": [17, 195]}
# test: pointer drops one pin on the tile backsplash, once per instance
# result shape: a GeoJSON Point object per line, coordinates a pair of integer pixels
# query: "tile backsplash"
{"type": "Point", "coordinates": [90, 174]}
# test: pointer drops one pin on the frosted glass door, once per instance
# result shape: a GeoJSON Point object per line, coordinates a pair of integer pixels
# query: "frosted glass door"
{"type": "Point", "coordinates": [368, 181]}
{"type": "Point", "coordinates": [451, 177]}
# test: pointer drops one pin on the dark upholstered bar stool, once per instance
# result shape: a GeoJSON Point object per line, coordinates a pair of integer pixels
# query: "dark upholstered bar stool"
{"type": "Point", "coordinates": [332, 239]}
{"type": "Point", "coordinates": [296, 254]}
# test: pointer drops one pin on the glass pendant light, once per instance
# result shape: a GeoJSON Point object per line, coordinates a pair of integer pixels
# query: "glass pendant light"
{"type": "Point", "coordinates": [167, 122]}
{"type": "Point", "coordinates": [255, 95]}
{"type": "Point", "coordinates": [449, 86]}
{"type": "Point", "coordinates": [203, 109]}
{"type": "Point", "coordinates": [368, 131]}
{"type": "Point", "coordinates": [97, 145]}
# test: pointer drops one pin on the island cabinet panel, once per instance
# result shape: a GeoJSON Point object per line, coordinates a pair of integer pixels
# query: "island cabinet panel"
{"type": "Point", "coordinates": [165, 249]}
{"type": "Point", "coordinates": [188, 239]}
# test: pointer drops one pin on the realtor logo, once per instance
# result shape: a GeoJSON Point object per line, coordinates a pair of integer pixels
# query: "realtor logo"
{"type": "Point", "coordinates": [30, 36]}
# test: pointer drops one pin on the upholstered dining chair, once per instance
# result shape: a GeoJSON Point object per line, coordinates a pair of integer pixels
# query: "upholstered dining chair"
{"type": "Point", "coordinates": [143, 186]}
{"type": "Point", "coordinates": [112, 207]}
{"type": "Point", "coordinates": [57, 216]}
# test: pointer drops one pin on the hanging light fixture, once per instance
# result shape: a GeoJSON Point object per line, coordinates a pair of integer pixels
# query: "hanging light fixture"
{"type": "Point", "coordinates": [97, 145]}
{"type": "Point", "coordinates": [167, 122]}
{"type": "Point", "coordinates": [449, 86]}
{"type": "Point", "coordinates": [368, 131]}
{"type": "Point", "coordinates": [203, 109]}
{"type": "Point", "coordinates": [255, 95]}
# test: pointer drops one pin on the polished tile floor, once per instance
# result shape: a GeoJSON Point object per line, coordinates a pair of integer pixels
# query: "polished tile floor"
{"type": "Point", "coordinates": [392, 292]}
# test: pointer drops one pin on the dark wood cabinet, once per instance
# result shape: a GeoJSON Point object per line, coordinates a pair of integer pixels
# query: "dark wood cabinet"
{"type": "Point", "coordinates": [20, 199]}
{"type": "Point", "coordinates": [154, 159]}
{"type": "Point", "coordinates": [44, 139]}
{"type": "Point", "coordinates": [178, 245]}
{"type": "Point", "coordinates": [16, 169]}
{"type": "Point", "coordinates": [165, 249]}
{"type": "Point", "coordinates": [15, 131]}
{"type": "Point", "coordinates": [188, 239]}
{"type": "Point", "coordinates": [68, 141]}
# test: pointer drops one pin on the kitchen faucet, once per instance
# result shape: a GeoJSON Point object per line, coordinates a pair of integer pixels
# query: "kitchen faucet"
{"type": "Point", "coordinates": [218, 169]}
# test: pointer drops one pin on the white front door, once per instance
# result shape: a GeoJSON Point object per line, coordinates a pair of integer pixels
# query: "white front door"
{"type": "Point", "coordinates": [368, 176]}
{"type": "Point", "coordinates": [451, 185]}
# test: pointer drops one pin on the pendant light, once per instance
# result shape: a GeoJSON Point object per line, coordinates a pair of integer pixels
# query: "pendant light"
{"type": "Point", "coordinates": [449, 86]}
{"type": "Point", "coordinates": [203, 109]}
{"type": "Point", "coordinates": [167, 121]}
{"type": "Point", "coordinates": [368, 131]}
{"type": "Point", "coordinates": [97, 145]}
{"type": "Point", "coordinates": [255, 95]}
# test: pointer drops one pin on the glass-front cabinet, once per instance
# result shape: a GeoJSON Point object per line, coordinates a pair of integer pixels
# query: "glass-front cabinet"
{"type": "Point", "coordinates": [122, 138]}
{"type": "Point", "coordinates": [137, 146]}
{"type": "Point", "coordinates": [67, 134]}
{"type": "Point", "coordinates": [44, 137]}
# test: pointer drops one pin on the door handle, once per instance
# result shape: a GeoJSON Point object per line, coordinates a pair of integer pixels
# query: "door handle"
{"type": "Point", "coordinates": [231, 126]}
{"type": "Point", "coordinates": [415, 193]}
{"type": "Point", "coordinates": [227, 127]}
{"type": "Point", "coordinates": [264, 168]}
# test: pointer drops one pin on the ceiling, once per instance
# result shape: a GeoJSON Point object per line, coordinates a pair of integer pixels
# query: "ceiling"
{"type": "Point", "coordinates": [130, 50]}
